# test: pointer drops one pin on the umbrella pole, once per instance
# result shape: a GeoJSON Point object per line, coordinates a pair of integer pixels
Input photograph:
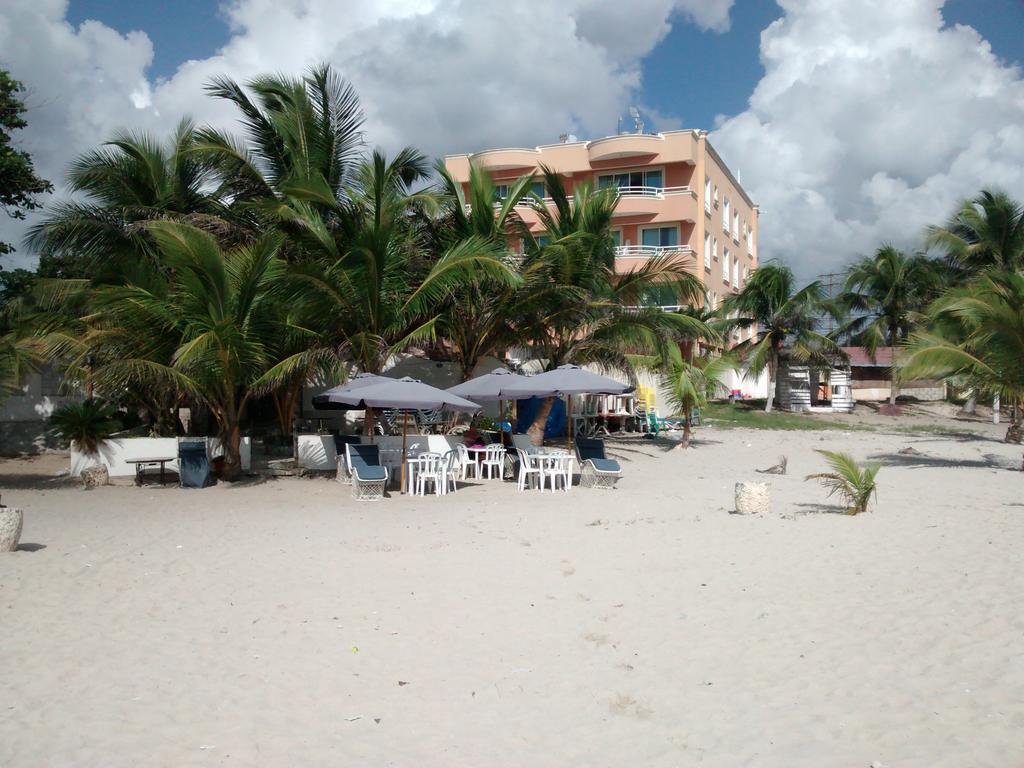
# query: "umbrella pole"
{"type": "Point", "coordinates": [568, 422]}
{"type": "Point", "coordinates": [405, 426]}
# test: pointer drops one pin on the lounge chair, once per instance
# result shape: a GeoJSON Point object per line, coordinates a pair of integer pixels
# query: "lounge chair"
{"type": "Point", "coordinates": [368, 476]}
{"type": "Point", "coordinates": [596, 469]}
{"type": "Point", "coordinates": [340, 441]}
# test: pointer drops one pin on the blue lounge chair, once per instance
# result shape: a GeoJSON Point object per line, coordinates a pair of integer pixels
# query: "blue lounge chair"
{"type": "Point", "coordinates": [341, 456]}
{"type": "Point", "coordinates": [596, 469]}
{"type": "Point", "coordinates": [368, 476]}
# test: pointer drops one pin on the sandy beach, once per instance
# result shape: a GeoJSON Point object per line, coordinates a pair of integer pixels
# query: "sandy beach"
{"type": "Point", "coordinates": [281, 623]}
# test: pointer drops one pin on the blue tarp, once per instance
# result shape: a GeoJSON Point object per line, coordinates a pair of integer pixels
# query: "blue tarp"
{"type": "Point", "coordinates": [527, 409]}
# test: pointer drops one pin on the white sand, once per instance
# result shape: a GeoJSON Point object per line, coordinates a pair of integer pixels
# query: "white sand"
{"type": "Point", "coordinates": [274, 624]}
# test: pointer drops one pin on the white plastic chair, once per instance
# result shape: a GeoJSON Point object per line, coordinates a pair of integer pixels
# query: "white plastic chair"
{"type": "Point", "coordinates": [494, 461]}
{"type": "Point", "coordinates": [427, 471]}
{"type": "Point", "coordinates": [467, 463]}
{"type": "Point", "coordinates": [558, 468]}
{"type": "Point", "coordinates": [448, 471]}
{"type": "Point", "coordinates": [528, 468]}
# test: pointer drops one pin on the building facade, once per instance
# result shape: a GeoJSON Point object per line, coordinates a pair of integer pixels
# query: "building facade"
{"type": "Point", "coordinates": [676, 196]}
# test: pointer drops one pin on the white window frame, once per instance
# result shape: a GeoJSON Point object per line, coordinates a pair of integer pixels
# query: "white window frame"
{"type": "Point", "coordinates": [707, 195]}
{"type": "Point", "coordinates": [707, 251]}
{"type": "Point", "coordinates": [714, 248]}
{"type": "Point", "coordinates": [725, 266]}
{"type": "Point", "coordinates": [735, 271]}
{"type": "Point", "coordinates": [736, 226]}
{"type": "Point", "coordinates": [726, 208]}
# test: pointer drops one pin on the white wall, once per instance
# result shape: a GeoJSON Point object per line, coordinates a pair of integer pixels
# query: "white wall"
{"type": "Point", "coordinates": [115, 454]}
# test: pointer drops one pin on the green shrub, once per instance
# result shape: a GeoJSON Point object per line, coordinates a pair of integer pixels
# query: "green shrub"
{"type": "Point", "coordinates": [88, 423]}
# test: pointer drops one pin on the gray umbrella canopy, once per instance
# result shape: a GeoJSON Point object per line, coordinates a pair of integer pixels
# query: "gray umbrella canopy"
{"type": "Point", "coordinates": [328, 399]}
{"type": "Point", "coordinates": [565, 380]}
{"type": "Point", "coordinates": [402, 394]}
{"type": "Point", "coordinates": [489, 386]}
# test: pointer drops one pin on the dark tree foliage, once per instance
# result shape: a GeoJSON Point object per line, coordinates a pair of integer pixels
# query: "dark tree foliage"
{"type": "Point", "coordinates": [19, 183]}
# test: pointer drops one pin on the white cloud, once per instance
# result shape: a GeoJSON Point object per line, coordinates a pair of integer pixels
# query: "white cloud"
{"type": "Point", "coordinates": [872, 120]}
{"type": "Point", "coordinates": [444, 75]}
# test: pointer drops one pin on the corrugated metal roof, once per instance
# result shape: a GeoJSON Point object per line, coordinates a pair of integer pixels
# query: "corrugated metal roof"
{"type": "Point", "coordinates": [859, 357]}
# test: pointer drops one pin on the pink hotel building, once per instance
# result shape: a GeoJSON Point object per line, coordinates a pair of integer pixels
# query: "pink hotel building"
{"type": "Point", "coordinates": [675, 196]}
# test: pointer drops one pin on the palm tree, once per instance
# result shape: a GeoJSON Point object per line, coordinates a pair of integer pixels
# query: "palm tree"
{"type": "Point", "coordinates": [690, 383]}
{"type": "Point", "coordinates": [476, 319]}
{"type": "Point", "coordinates": [575, 307]}
{"type": "Point", "coordinates": [978, 332]}
{"type": "Point", "coordinates": [983, 233]}
{"type": "Point", "coordinates": [886, 294]}
{"type": "Point", "coordinates": [211, 332]}
{"type": "Point", "coordinates": [131, 180]}
{"type": "Point", "coordinates": [786, 319]}
{"type": "Point", "coordinates": [303, 144]}
{"type": "Point", "coordinates": [375, 290]}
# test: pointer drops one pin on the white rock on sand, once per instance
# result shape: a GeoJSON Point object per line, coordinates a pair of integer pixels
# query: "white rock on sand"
{"type": "Point", "coordinates": [283, 623]}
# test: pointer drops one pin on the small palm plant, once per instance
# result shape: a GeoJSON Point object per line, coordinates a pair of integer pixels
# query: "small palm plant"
{"type": "Point", "coordinates": [88, 423]}
{"type": "Point", "coordinates": [848, 480]}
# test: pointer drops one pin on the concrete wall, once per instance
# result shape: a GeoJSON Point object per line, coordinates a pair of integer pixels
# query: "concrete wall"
{"type": "Point", "coordinates": [23, 416]}
{"type": "Point", "coordinates": [115, 454]}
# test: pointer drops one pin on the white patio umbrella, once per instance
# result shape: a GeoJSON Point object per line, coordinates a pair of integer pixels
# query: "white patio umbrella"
{"type": "Point", "coordinates": [566, 380]}
{"type": "Point", "coordinates": [488, 387]}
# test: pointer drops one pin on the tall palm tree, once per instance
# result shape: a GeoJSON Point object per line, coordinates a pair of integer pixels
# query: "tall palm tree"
{"type": "Point", "coordinates": [575, 307]}
{"type": "Point", "coordinates": [985, 232]}
{"type": "Point", "coordinates": [303, 143]}
{"type": "Point", "coordinates": [476, 318]}
{"type": "Point", "coordinates": [130, 180]}
{"type": "Point", "coordinates": [978, 332]}
{"type": "Point", "coordinates": [786, 319]}
{"type": "Point", "coordinates": [886, 294]}
{"type": "Point", "coordinates": [373, 290]}
{"type": "Point", "coordinates": [212, 331]}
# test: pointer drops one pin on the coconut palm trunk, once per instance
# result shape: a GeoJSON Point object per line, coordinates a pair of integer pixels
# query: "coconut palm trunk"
{"type": "Point", "coordinates": [540, 420]}
{"type": "Point", "coordinates": [772, 368]}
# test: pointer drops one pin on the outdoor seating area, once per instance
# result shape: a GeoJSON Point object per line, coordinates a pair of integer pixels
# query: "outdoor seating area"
{"type": "Point", "coordinates": [422, 463]}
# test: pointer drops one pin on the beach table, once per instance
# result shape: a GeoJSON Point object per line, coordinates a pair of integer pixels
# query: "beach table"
{"type": "Point", "coordinates": [149, 461]}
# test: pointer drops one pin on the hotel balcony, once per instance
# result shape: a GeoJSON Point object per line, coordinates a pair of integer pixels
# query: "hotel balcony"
{"type": "Point", "coordinates": [646, 201]}
{"type": "Point", "coordinates": [650, 251]}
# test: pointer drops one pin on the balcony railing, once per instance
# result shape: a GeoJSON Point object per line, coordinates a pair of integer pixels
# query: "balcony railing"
{"type": "Point", "coordinates": [650, 251]}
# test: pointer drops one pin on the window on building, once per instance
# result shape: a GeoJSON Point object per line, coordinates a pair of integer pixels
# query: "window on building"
{"type": "Point", "coordinates": [725, 265]}
{"type": "Point", "coordinates": [725, 215]}
{"type": "Point", "coordinates": [538, 189]}
{"type": "Point", "coordinates": [707, 194]}
{"type": "Point", "coordinates": [750, 239]}
{"type": "Point", "coordinates": [736, 225]}
{"type": "Point", "coordinates": [714, 249]}
{"type": "Point", "coordinates": [660, 296]}
{"type": "Point", "coordinates": [660, 236]}
{"type": "Point", "coordinates": [707, 251]}
{"type": "Point", "coordinates": [712, 300]}
{"type": "Point", "coordinates": [617, 237]}
{"type": "Point", "coordinates": [716, 197]}
{"type": "Point", "coordinates": [736, 272]}
{"type": "Point", "coordinates": [501, 191]}
{"type": "Point", "coordinates": [635, 179]}
{"type": "Point", "coordinates": [543, 240]}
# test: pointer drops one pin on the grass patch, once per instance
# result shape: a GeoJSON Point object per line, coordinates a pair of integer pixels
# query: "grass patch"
{"type": "Point", "coordinates": [750, 414]}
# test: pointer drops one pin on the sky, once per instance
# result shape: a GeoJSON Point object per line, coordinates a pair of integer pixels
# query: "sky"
{"type": "Point", "coordinates": [852, 122]}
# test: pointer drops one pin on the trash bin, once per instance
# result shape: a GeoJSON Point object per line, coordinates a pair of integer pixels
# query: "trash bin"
{"type": "Point", "coordinates": [193, 464]}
